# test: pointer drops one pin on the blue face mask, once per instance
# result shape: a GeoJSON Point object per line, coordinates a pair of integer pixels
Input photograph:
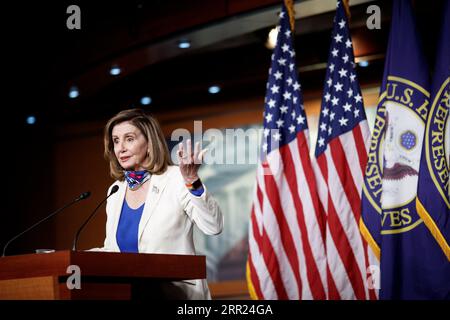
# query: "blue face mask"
{"type": "Point", "coordinates": [136, 178]}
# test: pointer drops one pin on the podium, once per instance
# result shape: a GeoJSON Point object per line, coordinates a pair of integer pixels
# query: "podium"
{"type": "Point", "coordinates": [103, 275]}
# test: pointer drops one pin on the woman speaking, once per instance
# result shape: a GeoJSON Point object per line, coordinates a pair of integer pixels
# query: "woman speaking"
{"type": "Point", "coordinates": [157, 204]}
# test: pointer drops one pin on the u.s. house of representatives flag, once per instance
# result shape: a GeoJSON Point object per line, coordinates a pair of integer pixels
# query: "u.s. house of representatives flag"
{"type": "Point", "coordinates": [433, 203]}
{"type": "Point", "coordinates": [409, 254]}
{"type": "Point", "coordinates": [286, 247]}
{"type": "Point", "coordinates": [341, 154]}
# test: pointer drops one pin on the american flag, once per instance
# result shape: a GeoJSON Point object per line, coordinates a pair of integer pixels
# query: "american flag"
{"type": "Point", "coordinates": [286, 245]}
{"type": "Point", "coordinates": [341, 155]}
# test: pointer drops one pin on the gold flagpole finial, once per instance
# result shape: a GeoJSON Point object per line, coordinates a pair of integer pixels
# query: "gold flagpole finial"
{"type": "Point", "coordinates": [290, 9]}
{"type": "Point", "coordinates": [347, 8]}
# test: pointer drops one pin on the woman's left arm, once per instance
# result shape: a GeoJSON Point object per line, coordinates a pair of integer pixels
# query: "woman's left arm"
{"type": "Point", "coordinates": [203, 210]}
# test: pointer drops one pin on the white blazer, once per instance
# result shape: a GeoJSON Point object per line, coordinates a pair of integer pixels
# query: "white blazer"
{"type": "Point", "coordinates": [167, 222]}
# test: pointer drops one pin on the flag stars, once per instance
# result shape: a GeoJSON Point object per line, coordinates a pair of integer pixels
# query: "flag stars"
{"type": "Point", "coordinates": [338, 87]}
{"type": "Point", "coordinates": [275, 89]}
{"type": "Point", "coordinates": [329, 82]}
{"type": "Point", "coordinates": [280, 123]}
{"type": "Point", "coordinates": [339, 108]}
{"type": "Point", "coordinates": [335, 52]}
{"type": "Point", "coordinates": [321, 141]}
{"type": "Point", "coordinates": [343, 121]}
{"type": "Point", "coordinates": [301, 119]}
{"type": "Point", "coordinates": [348, 43]}
{"type": "Point", "coordinates": [283, 104]}
{"type": "Point", "coordinates": [342, 72]}
{"type": "Point", "coordinates": [335, 101]}
{"type": "Point", "coordinates": [345, 58]}
{"type": "Point", "coordinates": [277, 136]}
{"type": "Point", "coordinates": [264, 147]}
{"type": "Point", "coordinates": [287, 95]}
{"type": "Point", "coordinates": [271, 103]}
{"type": "Point", "coordinates": [347, 106]}
{"type": "Point", "coordinates": [331, 67]}
{"type": "Point", "coordinates": [350, 92]}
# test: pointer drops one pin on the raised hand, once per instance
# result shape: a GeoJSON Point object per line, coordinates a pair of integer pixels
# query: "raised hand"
{"type": "Point", "coordinates": [190, 163]}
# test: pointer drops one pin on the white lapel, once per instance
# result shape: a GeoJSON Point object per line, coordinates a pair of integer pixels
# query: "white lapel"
{"type": "Point", "coordinates": [117, 209]}
{"type": "Point", "coordinates": [157, 185]}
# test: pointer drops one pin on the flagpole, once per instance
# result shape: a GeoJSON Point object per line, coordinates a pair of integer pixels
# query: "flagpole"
{"type": "Point", "coordinates": [347, 9]}
{"type": "Point", "coordinates": [290, 9]}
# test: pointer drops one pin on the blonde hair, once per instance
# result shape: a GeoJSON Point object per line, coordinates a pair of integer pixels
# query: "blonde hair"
{"type": "Point", "coordinates": [158, 157]}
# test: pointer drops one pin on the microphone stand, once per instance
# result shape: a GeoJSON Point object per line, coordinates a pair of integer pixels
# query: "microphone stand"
{"type": "Point", "coordinates": [75, 240]}
{"type": "Point", "coordinates": [83, 196]}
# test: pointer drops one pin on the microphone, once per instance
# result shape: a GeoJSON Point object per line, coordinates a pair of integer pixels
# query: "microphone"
{"type": "Point", "coordinates": [82, 196]}
{"type": "Point", "coordinates": [75, 240]}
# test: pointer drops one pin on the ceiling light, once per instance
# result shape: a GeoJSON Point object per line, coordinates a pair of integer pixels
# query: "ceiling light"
{"type": "Point", "coordinates": [363, 63]}
{"type": "Point", "coordinates": [73, 92]}
{"type": "Point", "coordinates": [31, 120]}
{"type": "Point", "coordinates": [214, 89]}
{"type": "Point", "coordinates": [184, 44]}
{"type": "Point", "coordinates": [115, 70]}
{"type": "Point", "coordinates": [146, 100]}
